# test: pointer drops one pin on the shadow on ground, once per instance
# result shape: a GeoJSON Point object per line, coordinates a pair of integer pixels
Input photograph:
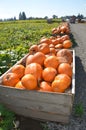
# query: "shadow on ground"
{"type": "Point", "coordinates": [29, 123]}
{"type": "Point", "coordinates": [80, 81]}
{"type": "Point", "coordinates": [73, 40]}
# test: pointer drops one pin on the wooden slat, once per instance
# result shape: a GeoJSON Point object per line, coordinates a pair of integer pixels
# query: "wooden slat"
{"type": "Point", "coordinates": [46, 116]}
{"type": "Point", "coordinates": [73, 76]}
{"type": "Point", "coordinates": [58, 98]}
{"type": "Point", "coordinates": [39, 106]}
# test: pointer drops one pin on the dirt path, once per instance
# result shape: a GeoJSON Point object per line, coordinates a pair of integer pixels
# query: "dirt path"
{"type": "Point", "coordinates": [76, 122]}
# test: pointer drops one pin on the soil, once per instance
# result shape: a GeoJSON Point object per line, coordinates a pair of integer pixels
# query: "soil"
{"type": "Point", "coordinates": [77, 122]}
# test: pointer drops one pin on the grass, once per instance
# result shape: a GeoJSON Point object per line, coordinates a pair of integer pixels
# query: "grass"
{"type": "Point", "coordinates": [79, 110]}
{"type": "Point", "coordinates": [6, 118]}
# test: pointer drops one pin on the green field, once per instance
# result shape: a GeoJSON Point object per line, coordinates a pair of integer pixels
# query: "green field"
{"type": "Point", "coordinates": [17, 36]}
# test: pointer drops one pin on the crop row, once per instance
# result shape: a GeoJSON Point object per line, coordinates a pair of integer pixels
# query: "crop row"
{"type": "Point", "coordinates": [17, 37]}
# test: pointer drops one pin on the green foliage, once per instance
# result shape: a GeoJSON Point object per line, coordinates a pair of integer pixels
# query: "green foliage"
{"type": "Point", "coordinates": [79, 110]}
{"type": "Point", "coordinates": [6, 118]}
{"type": "Point", "coordinates": [44, 126]}
{"type": "Point", "coordinates": [17, 36]}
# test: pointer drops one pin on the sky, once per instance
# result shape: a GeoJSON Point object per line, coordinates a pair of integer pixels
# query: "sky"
{"type": "Point", "coordinates": [41, 8]}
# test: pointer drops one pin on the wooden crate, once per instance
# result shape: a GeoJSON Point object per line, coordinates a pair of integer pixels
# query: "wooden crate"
{"type": "Point", "coordinates": [47, 106]}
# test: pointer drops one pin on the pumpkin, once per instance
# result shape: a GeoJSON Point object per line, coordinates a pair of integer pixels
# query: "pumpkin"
{"type": "Point", "coordinates": [38, 57]}
{"type": "Point", "coordinates": [19, 85]}
{"type": "Point", "coordinates": [54, 30]}
{"type": "Point", "coordinates": [34, 69]}
{"type": "Point", "coordinates": [66, 54]}
{"type": "Point", "coordinates": [29, 81]}
{"type": "Point", "coordinates": [55, 42]}
{"type": "Point", "coordinates": [44, 48]}
{"type": "Point", "coordinates": [58, 46]}
{"type": "Point", "coordinates": [63, 28]}
{"type": "Point", "coordinates": [61, 83]}
{"type": "Point", "coordinates": [65, 68]}
{"type": "Point", "coordinates": [51, 61]}
{"type": "Point", "coordinates": [51, 46]}
{"type": "Point", "coordinates": [10, 79]}
{"type": "Point", "coordinates": [49, 74]}
{"type": "Point", "coordinates": [33, 49]}
{"type": "Point", "coordinates": [44, 40]}
{"type": "Point", "coordinates": [19, 70]}
{"type": "Point", "coordinates": [62, 60]}
{"type": "Point", "coordinates": [67, 44]}
{"type": "Point", "coordinates": [64, 37]}
{"type": "Point", "coordinates": [49, 54]}
{"type": "Point", "coordinates": [45, 86]}
{"type": "Point", "coordinates": [53, 51]}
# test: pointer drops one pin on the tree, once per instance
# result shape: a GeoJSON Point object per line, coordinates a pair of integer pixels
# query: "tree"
{"type": "Point", "coordinates": [46, 17]}
{"type": "Point", "coordinates": [54, 16]}
{"type": "Point", "coordinates": [14, 18]}
{"type": "Point", "coordinates": [22, 16]}
{"type": "Point", "coordinates": [80, 16]}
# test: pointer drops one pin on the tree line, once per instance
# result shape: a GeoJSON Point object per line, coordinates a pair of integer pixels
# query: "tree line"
{"type": "Point", "coordinates": [22, 16]}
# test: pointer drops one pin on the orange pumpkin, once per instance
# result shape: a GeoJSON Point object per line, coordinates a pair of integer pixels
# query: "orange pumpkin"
{"type": "Point", "coordinates": [65, 68]}
{"type": "Point", "coordinates": [29, 81]}
{"type": "Point", "coordinates": [38, 57]}
{"type": "Point", "coordinates": [49, 74]}
{"type": "Point", "coordinates": [44, 48]}
{"type": "Point", "coordinates": [53, 51]}
{"type": "Point", "coordinates": [45, 86]}
{"type": "Point", "coordinates": [65, 37]}
{"type": "Point", "coordinates": [19, 85]}
{"type": "Point", "coordinates": [63, 28]}
{"type": "Point", "coordinates": [51, 61]}
{"type": "Point", "coordinates": [33, 49]}
{"type": "Point", "coordinates": [62, 60]}
{"type": "Point", "coordinates": [10, 79]}
{"type": "Point", "coordinates": [59, 46]}
{"type": "Point", "coordinates": [44, 40]}
{"type": "Point", "coordinates": [61, 83]}
{"type": "Point", "coordinates": [51, 46]}
{"type": "Point", "coordinates": [66, 54]}
{"type": "Point", "coordinates": [19, 70]}
{"type": "Point", "coordinates": [34, 69]}
{"type": "Point", "coordinates": [67, 44]}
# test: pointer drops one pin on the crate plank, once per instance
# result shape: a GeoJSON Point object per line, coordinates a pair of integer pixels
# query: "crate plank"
{"type": "Point", "coordinates": [60, 98]}
{"type": "Point", "coordinates": [40, 115]}
{"type": "Point", "coordinates": [39, 106]}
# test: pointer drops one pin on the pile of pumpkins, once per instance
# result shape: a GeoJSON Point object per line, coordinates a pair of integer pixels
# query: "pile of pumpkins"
{"type": "Point", "coordinates": [47, 67]}
{"type": "Point", "coordinates": [62, 29]}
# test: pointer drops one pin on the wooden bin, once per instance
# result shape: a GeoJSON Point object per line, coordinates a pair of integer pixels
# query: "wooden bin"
{"type": "Point", "coordinates": [47, 106]}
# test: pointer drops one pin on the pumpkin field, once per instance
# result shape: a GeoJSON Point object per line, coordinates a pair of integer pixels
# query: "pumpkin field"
{"type": "Point", "coordinates": [17, 36]}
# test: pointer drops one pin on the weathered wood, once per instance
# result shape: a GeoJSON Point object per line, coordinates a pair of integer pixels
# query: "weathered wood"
{"type": "Point", "coordinates": [43, 105]}
{"type": "Point", "coordinates": [38, 105]}
{"type": "Point", "coordinates": [40, 115]}
{"type": "Point", "coordinates": [60, 98]}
